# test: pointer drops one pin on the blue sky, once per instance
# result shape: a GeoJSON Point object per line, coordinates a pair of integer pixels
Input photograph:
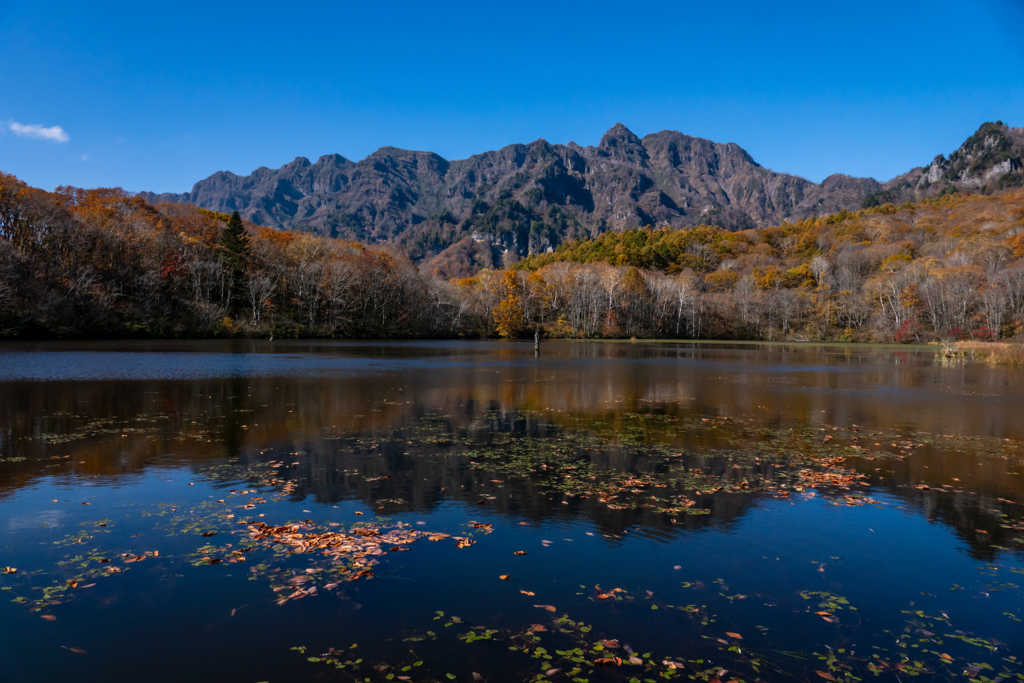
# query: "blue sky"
{"type": "Point", "coordinates": [152, 96]}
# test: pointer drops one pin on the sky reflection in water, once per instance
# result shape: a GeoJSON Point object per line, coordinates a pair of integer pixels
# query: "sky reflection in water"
{"type": "Point", "coordinates": [843, 510]}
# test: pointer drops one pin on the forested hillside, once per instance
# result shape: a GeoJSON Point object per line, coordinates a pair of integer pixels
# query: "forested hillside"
{"type": "Point", "coordinates": [77, 263]}
{"type": "Point", "coordinates": [946, 267]}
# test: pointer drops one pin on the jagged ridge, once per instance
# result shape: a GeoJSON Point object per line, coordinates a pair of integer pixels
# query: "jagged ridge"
{"type": "Point", "coordinates": [527, 198]}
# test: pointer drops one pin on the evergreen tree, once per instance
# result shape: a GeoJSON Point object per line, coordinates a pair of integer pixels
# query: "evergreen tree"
{"type": "Point", "coordinates": [235, 243]}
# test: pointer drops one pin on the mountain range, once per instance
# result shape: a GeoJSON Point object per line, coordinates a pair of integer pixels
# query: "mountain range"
{"type": "Point", "coordinates": [528, 198]}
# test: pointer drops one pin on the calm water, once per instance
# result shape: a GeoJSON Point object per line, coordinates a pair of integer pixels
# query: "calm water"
{"type": "Point", "coordinates": [316, 511]}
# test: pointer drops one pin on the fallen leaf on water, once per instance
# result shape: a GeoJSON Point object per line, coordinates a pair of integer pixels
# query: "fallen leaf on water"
{"type": "Point", "coordinates": [550, 608]}
{"type": "Point", "coordinates": [464, 542]}
{"type": "Point", "coordinates": [827, 676]}
{"type": "Point", "coordinates": [530, 593]}
{"type": "Point", "coordinates": [207, 534]}
{"type": "Point", "coordinates": [539, 628]}
{"type": "Point", "coordinates": [10, 570]}
{"type": "Point", "coordinates": [519, 552]}
{"type": "Point", "coordinates": [49, 617]}
{"type": "Point", "coordinates": [610, 644]}
{"type": "Point", "coordinates": [603, 596]}
{"type": "Point", "coordinates": [604, 661]}
{"type": "Point", "coordinates": [76, 650]}
{"type": "Point", "coordinates": [73, 583]}
{"type": "Point", "coordinates": [503, 577]}
{"type": "Point", "coordinates": [633, 659]}
{"type": "Point", "coordinates": [551, 672]}
{"type": "Point", "coordinates": [734, 635]}
{"type": "Point", "coordinates": [946, 657]}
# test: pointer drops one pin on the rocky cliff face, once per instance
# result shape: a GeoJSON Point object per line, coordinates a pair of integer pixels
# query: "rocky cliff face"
{"type": "Point", "coordinates": [988, 161]}
{"type": "Point", "coordinates": [528, 198]}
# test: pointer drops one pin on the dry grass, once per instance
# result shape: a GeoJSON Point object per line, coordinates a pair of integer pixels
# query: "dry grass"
{"type": "Point", "coordinates": [997, 353]}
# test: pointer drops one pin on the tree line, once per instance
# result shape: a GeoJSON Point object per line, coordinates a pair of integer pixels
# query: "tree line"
{"type": "Point", "coordinates": [104, 263]}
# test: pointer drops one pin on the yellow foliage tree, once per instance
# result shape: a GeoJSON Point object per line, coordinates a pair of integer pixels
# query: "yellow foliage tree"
{"type": "Point", "coordinates": [509, 318]}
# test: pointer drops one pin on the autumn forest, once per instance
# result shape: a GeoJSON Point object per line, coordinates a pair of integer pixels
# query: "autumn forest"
{"type": "Point", "coordinates": [80, 263]}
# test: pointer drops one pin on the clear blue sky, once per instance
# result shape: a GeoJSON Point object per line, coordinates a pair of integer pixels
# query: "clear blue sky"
{"type": "Point", "coordinates": [155, 96]}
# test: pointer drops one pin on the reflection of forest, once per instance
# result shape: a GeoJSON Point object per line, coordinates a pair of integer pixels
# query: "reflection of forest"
{"type": "Point", "coordinates": [414, 426]}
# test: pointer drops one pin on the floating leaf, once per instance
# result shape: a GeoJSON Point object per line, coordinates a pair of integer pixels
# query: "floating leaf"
{"type": "Point", "coordinates": [49, 617]}
{"type": "Point", "coordinates": [519, 552]}
{"type": "Point", "coordinates": [503, 577]}
{"type": "Point", "coordinates": [550, 608]}
{"type": "Point", "coordinates": [539, 628]}
{"type": "Point", "coordinates": [826, 675]}
{"type": "Point", "coordinates": [734, 635]}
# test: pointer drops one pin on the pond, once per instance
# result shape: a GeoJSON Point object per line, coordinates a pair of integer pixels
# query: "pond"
{"type": "Point", "coordinates": [466, 511]}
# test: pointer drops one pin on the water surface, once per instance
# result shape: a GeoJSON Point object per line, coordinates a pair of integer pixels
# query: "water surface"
{"type": "Point", "coordinates": [295, 511]}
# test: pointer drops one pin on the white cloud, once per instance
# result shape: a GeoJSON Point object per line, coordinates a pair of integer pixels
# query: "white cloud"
{"type": "Point", "coordinates": [85, 157]}
{"type": "Point", "coordinates": [34, 130]}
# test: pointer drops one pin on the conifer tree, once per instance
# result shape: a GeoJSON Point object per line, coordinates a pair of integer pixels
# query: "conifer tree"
{"type": "Point", "coordinates": [235, 243]}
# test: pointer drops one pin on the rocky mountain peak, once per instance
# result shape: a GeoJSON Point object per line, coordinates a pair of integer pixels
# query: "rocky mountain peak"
{"type": "Point", "coordinates": [525, 198]}
{"type": "Point", "coordinates": [622, 143]}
